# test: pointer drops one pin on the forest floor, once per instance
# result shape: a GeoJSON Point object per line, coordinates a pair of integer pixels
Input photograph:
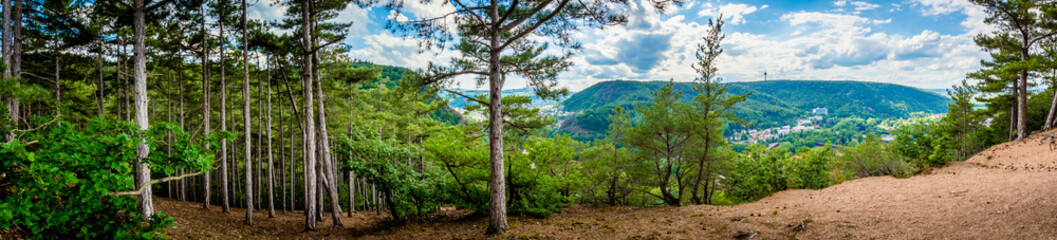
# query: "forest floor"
{"type": "Point", "coordinates": [1006, 192]}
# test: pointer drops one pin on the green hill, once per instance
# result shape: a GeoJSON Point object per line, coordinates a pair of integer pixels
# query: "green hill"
{"type": "Point", "coordinates": [772, 103]}
{"type": "Point", "coordinates": [394, 74]}
{"type": "Point", "coordinates": [456, 101]}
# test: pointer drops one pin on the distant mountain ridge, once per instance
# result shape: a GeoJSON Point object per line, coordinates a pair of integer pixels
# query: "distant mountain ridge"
{"type": "Point", "coordinates": [456, 101]}
{"type": "Point", "coordinates": [772, 103]}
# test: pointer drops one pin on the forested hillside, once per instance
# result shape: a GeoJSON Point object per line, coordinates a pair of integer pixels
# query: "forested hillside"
{"type": "Point", "coordinates": [237, 119]}
{"type": "Point", "coordinates": [457, 101]}
{"type": "Point", "coordinates": [772, 103]}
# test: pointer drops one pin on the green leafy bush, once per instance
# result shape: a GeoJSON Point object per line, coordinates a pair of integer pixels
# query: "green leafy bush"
{"type": "Point", "coordinates": [810, 168]}
{"type": "Point", "coordinates": [386, 163]}
{"type": "Point", "coordinates": [55, 182]}
{"type": "Point", "coordinates": [874, 158]}
{"type": "Point", "coordinates": [757, 173]}
{"type": "Point", "coordinates": [542, 178]}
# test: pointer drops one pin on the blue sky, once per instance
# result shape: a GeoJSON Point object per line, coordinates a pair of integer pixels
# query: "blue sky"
{"type": "Point", "coordinates": [921, 43]}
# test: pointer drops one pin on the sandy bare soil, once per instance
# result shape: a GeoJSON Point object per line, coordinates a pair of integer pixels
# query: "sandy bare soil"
{"type": "Point", "coordinates": [1006, 192]}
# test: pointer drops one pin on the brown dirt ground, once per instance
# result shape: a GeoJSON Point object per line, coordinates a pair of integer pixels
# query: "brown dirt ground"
{"type": "Point", "coordinates": [1006, 192]}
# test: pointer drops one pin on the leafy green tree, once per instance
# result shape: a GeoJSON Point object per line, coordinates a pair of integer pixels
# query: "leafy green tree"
{"type": "Point", "coordinates": [714, 104]}
{"type": "Point", "coordinates": [1021, 25]}
{"type": "Point", "coordinates": [460, 153]}
{"type": "Point", "coordinates": [72, 181]}
{"type": "Point", "coordinates": [607, 160]}
{"type": "Point", "coordinates": [502, 37]}
{"type": "Point", "coordinates": [373, 157]}
{"type": "Point", "coordinates": [663, 135]}
{"type": "Point", "coordinates": [962, 123]}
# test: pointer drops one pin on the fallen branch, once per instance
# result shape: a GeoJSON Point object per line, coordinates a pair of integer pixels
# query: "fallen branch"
{"type": "Point", "coordinates": [156, 181]}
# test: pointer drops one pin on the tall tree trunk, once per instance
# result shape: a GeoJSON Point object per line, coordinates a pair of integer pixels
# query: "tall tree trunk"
{"type": "Point", "coordinates": [290, 170]}
{"type": "Point", "coordinates": [206, 109]}
{"type": "Point", "coordinates": [331, 180]}
{"type": "Point", "coordinates": [352, 184]}
{"type": "Point", "coordinates": [15, 58]}
{"type": "Point", "coordinates": [260, 142]}
{"type": "Point", "coordinates": [124, 67]}
{"type": "Point", "coordinates": [168, 135]}
{"type": "Point", "coordinates": [282, 155]}
{"type": "Point", "coordinates": [320, 185]}
{"type": "Point", "coordinates": [1022, 100]}
{"type": "Point", "coordinates": [99, 88]}
{"type": "Point", "coordinates": [497, 223]}
{"type": "Point", "coordinates": [352, 192]}
{"type": "Point", "coordinates": [223, 124]}
{"type": "Point", "coordinates": [310, 125]}
{"type": "Point", "coordinates": [5, 51]}
{"type": "Point", "coordinates": [58, 81]}
{"type": "Point", "coordinates": [140, 74]}
{"type": "Point", "coordinates": [271, 165]}
{"type": "Point", "coordinates": [180, 72]}
{"type": "Point", "coordinates": [246, 117]}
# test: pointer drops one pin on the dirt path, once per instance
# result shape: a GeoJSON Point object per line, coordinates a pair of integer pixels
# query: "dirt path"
{"type": "Point", "coordinates": [1006, 192]}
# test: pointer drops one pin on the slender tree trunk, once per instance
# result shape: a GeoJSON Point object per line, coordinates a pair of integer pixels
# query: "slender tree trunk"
{"type": "Point", "coordinates": [260, 144]}
{"type": "Point", "coordinates": [320, 186]}
{"type": "Point", "coordinates": [124, 68]}
{"type": "Point", "coordinates": [282, 155]}
{"type": "Point", "coordinates": [119, 111]}
{"type": "Point", "coordinates": [223, 125]}
{"type": "Point", "coordinates": [140, 73]}
{"type": "Point", "coordinates": [1013, 112]}
{"type": "Point", "coordinates": [5, 51]}
{"type": "Point", "coordinates": [331, 180]}
{"type": "Point", "coordinates": [497, 223]}
{"type": "Point", "coordinates": [352, 192]}
{"type": "Point", "coordinates": [701, 168]}
{"type": "Point", "coordinates": [1022, 98]}
{"type": "Point", "coordinates": [15, 58]}
{"type": "Point", "coordinates": [99, 59]}
{"type": "Point", "coordinates": [374, 201]}
{"type": "Point", "coordinates": [290, 171]}
{"type": "Point", "coordinates": [271, 165]}
{"type": "Point", "coordinates": [180, 72]}
{"type": "Point", "coordinates": [206, 109]}
{"type": "Point", "coordinates": [1022, 103]}
{"type": "Point", "coordinates": [168, 135]}
{"type": "Point", "coordinates": [58, 81]}
{"type": "Point", "coordinates": [310, 125]}
{"type": "Point", "coordinates": [246, 117]}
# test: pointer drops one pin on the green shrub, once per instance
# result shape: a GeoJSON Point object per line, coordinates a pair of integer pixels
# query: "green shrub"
{"type": "Point", "coordinates": [871, 157]}
{"type": "Point", "coordinates": [55, 181]}
{"type": "Point", "coordinates": [811, 168]}
{"type": "Point", "coordinates": [757, 173]}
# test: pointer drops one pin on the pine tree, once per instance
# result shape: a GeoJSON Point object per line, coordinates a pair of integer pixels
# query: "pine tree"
{"type": "Point", "coordinates": [490, 29]}
{"type": "Point", "coordinates": [1021, 25]}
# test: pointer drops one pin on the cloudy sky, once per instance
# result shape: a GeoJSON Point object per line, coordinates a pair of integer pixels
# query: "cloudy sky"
{"type": "Point", "coordinates": [921, 43]}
